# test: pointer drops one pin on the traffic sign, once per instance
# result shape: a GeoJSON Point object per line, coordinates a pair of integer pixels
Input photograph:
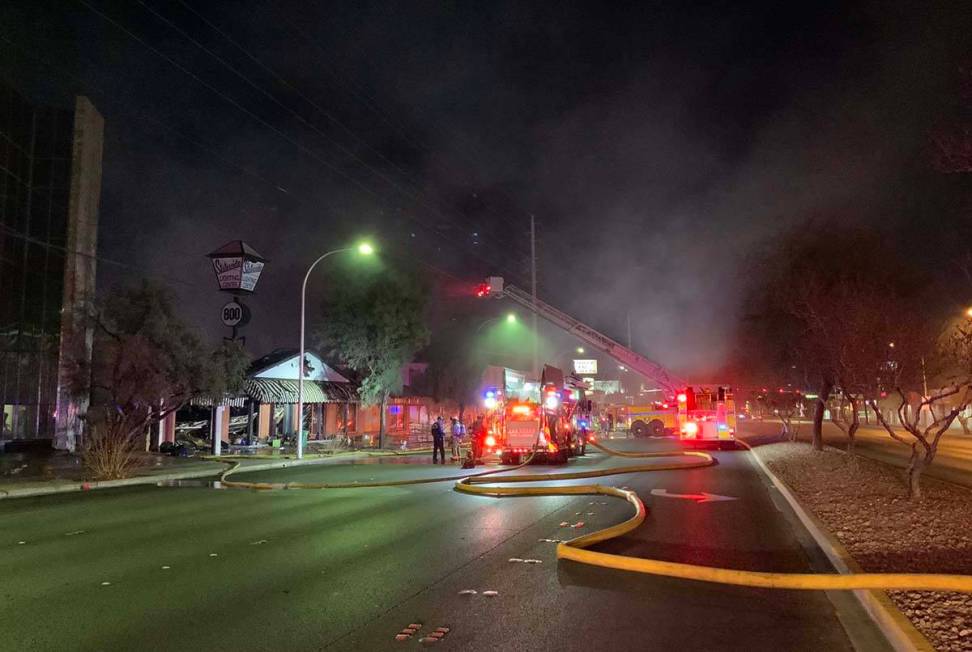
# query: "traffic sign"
{"type": "Point", "coordinates": [234, 314]}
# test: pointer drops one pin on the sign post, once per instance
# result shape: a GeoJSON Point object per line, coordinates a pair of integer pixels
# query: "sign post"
{"type": "Point", "coordinates": [237, 267]}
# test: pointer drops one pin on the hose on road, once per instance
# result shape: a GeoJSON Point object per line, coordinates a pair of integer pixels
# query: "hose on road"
{"type": "Point", "coordinates": [490, 483]}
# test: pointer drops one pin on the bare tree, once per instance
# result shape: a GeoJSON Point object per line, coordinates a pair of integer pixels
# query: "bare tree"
{"type": "Point", "coordinates": [951, 141]}
{"type": "Point", "coordinates": [146, 363]}
{"type": "Point", "coordinates": [787, 405]}
{"type": "Point", "coordinates": [949, 364]}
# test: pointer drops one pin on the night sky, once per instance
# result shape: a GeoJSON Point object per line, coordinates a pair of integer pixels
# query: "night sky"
{"type": "Point", "coordinates": [657, 144]}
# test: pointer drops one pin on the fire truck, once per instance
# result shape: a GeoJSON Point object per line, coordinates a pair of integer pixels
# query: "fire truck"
{"type": "Point", "coordinates": [697, 414]}
{"type": "Point", "coordinates": [707, 415]}
{"type": "Point", "coordinates": [652, 420]}
{"type": "Point", "coordinates": [552, 428]}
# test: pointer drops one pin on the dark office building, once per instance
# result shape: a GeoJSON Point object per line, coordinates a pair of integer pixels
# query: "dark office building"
{"type": "Point", "coordinates": [50, 182]}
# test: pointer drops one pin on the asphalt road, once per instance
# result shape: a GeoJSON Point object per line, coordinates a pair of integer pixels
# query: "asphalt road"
{"type": "Point", "coordinates": [952, 463]}
{"type": "Point", "coordinates": [196, 568]}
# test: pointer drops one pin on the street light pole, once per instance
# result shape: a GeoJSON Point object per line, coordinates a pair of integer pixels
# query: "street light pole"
{"type": "Point", "coordinates": [300, 360]}
{"type": "Point", "coordinates": [366, 250]}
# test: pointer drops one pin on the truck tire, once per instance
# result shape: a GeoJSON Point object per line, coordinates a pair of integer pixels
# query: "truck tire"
{"type": "Point", "coordinates": [639, 429]}
{"type": "Point", "coordinates": [656, 428]}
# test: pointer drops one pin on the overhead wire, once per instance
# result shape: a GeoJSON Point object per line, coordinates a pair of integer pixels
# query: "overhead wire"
{"type": "Point", "coordinates": [205, 147]}
{"type": "Point", "coordinates": [372, 104]}
{"type": "Point", "coordinates": [418, 194]}
{"type": "Point", "coordinates": [313, 154]}
{"type": "Point", "coordinates": [73, 252]}
{"type": "Point", "coordinates": [562, 245]}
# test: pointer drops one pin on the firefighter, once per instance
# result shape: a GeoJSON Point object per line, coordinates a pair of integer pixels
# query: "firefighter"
{"type": "Point", "coordinates": [438, 439]}
{"type": "Point", "coordinates": [479, 433]}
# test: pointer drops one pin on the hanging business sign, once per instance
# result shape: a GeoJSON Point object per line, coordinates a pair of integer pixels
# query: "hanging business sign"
{"type": "Point", "coordinates": [250, 275]}
{"type": "Point", "coordinates": [229, 272]}
{"type": "Point", "coordinates": [237, 266]}
{"type": "Point", "coordinates": [585, 367]}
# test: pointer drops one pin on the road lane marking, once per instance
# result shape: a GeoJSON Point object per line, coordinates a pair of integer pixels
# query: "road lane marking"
{"type": "Point", "coordinates": [702, 497]}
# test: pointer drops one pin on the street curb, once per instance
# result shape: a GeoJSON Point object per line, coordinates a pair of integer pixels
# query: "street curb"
{"type": "Point", "coordinates": [168, 477]}
{"type": "Point", "coordinates": [897, 629]}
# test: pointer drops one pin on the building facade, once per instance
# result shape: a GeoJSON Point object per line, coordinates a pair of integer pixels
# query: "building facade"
{"type": "Point", "coordinates": [50, 185]}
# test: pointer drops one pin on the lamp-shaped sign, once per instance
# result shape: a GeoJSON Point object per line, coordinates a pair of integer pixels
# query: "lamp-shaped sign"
{"type": "Point", "coordinates": [237, 266]}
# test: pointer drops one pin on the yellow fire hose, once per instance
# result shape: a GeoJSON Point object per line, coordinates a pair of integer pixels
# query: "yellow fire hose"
{"type": "Point", "coordinates": [490, 484]}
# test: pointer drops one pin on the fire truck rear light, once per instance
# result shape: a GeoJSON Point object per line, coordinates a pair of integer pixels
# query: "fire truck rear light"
{"type": "Point", "coordinates": [690, 428]}
{"type": "Point", "coordinates": [490, 440]}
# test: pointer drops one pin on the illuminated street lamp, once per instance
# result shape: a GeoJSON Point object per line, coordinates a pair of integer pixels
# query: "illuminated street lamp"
{"type": "Point", "coordinates": [968, 313]}
{"type": "Point", "coordinates": [580, 350]}
{"type": "Point", "coordinates": [510, 318]}
{"type": "Point", "coordinates": [363, 249]}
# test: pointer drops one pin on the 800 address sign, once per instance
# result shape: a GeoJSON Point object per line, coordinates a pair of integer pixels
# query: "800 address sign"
{"type": "Point", "coordinates": [232, 314]}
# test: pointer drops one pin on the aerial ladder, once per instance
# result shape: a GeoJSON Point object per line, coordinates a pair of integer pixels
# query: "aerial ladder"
{"type": "Point", "coordinates": [494, 287]}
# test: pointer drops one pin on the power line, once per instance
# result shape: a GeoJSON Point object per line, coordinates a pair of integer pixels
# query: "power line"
{"type": "Point", "coordinates": [560, 243]}
{"type": "Point", "coordinates": [334, 168]}
{"type": "Point", "coordinates": [327, 114]}
{"type": "Point", "coordinates": [410, 192]}
{"type": "Point", "coordinates": [101, 259]}
{"type": "Point", "coordinates": [197, 143]}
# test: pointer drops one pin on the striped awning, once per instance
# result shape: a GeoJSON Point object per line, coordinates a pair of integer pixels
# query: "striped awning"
{"type": "Point", "coordinates": [275, 390]}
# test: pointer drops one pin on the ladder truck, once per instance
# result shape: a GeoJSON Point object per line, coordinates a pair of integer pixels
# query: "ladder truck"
{"type": "Point", "coordinates": [697, 414]}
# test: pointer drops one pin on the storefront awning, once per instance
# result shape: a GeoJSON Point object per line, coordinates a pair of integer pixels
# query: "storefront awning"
{"type": "Point", "coordinates": [276, 390]}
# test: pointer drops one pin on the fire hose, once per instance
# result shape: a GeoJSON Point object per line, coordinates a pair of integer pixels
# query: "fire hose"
{"type": "Point", "coordinates": [489, 483]}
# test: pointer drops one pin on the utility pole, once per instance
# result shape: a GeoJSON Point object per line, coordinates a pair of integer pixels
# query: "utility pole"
{"type": "Point", "coordinates": [533, 291]}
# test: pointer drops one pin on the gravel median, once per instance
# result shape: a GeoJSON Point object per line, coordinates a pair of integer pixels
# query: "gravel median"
{"type": "Point", "coordinates": [864, 503]}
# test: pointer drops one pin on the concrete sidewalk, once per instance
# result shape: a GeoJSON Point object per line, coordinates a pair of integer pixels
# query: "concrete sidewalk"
{"type": "Point", "coordinates": [201, 468]}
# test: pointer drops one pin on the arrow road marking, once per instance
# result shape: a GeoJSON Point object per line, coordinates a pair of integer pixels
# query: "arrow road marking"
{"type": "Point", "coordinates": [698, 498]}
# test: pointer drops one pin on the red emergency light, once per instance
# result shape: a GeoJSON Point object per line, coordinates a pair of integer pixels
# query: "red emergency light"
{"type": "Point", "coordinates": [682, 397]}
{"type": "Point", "coordinates": [483, 290]}
{"type": "Point", "coordinates": [525, 410]}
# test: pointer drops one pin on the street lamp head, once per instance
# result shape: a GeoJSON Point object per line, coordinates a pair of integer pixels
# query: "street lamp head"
{"type": "Point", "coordinates": [580, 349]}
{"type": "Point", "coordinates": [968, 313]}
{"type": "Point", "coordinates": [365, 249]}
{"type": "Point", "coordinates": [511, 318]}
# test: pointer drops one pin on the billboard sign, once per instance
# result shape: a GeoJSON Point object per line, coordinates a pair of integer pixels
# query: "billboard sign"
{"type": "Point", "coordinates": [585, 367]}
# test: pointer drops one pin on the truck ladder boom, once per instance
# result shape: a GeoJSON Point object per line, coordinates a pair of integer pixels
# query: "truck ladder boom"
{"type": "Point", "coordinates": [637, 363]}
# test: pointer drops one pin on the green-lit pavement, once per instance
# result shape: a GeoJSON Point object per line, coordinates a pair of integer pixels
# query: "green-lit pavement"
{"type": "Point", "coordinates": [195, 568]}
